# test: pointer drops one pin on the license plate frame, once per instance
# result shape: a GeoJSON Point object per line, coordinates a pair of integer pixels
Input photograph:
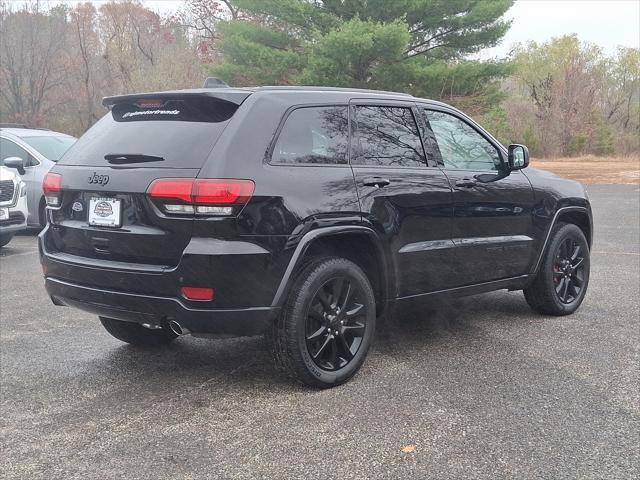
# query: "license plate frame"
{"type": "Point", "coordinates": [105, 212]}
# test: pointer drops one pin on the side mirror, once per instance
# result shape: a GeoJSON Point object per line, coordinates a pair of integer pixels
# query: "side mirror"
{"type": "Point", "coordinates": [15, 162]}
{"type": "Point", "coordinates": [518, 157]}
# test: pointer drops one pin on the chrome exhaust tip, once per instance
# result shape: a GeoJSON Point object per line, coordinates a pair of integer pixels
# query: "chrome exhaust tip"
{"type": "Point", "coordinates": [178, 329]}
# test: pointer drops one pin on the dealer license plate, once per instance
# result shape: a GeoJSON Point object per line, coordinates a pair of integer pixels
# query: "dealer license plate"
{"type": "Point", "coordinates": [105, 212]}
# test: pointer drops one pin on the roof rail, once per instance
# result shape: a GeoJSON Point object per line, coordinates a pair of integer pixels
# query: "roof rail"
{"type": "Point", "coordinates": [330, 89]}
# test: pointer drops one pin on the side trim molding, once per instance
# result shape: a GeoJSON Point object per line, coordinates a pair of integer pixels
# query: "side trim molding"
{"type": "Point", "coordinates": [553, 222]}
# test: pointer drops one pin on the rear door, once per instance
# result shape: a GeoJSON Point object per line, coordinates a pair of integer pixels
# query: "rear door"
{"type": "Point", "coordinates": [407, 201]}
{"type": "Point", "coordinates": [492, 221]}
{"type": "Point", "coordinates": [105, 212]}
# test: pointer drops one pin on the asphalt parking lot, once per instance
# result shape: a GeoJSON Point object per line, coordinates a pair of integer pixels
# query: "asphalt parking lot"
{"type": "Point", "coordinates": [478, 388]}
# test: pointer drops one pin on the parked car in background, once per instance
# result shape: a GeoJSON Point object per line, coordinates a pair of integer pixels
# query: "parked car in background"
{"type": "Point", "coordinates": [13, 205]}
{"type": "Point", "coordinates": [40, 150]}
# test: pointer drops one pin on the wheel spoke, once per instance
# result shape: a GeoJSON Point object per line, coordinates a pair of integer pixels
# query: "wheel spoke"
{"type": "Point", "coordinates": [323, 299]}
{"type": "Point", "coordinates": [346, 349]}
{"type": "Point", "coordinates": [560, 285]}
{"type": "Point", "coordinates": [318, 333]}
{"type": "Point", "coordinates": [322, 348]}
{"type": "Point", "coordinates": [577, 263]}
{"type": "Point", "coordinates": [355, 311]}
{"type": "Point", "coordinates": [333, 356]}
{"type": "Point", "coordinates": [576, 278]}
{"type": "Point", "coordinates": [574, 290]}
{"type": "Point", "coordinates": [565, 292]}
{"type": "Point", "coordinates": [336, 291]}
{"type": "Point", "coordinates": [358, 327]}
{"type": "Point", "coordinates": [576, 252]}
{"type": "Point", "coordinates": [347, 295]}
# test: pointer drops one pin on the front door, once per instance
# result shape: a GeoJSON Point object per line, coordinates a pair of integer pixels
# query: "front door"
{"type": "Point", "coordinates": [492, 221]}
{"type": "Point", "coordinates": [401, 197]}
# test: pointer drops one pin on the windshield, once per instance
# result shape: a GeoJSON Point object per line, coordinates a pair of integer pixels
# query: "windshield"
{"type": "Point", "coordinates": [50, 147]}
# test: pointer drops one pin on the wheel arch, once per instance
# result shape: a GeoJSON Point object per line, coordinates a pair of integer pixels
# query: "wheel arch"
{"type": "Point", "coordinates": [579, 216]}
{"type": "Point", "coordinates": [358, 244]}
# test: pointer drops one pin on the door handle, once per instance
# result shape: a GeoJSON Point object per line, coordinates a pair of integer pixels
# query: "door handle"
{"type": "Point", "coordinates": [466, 182]}
{"type": "Point", "coordinates": [375, 182]}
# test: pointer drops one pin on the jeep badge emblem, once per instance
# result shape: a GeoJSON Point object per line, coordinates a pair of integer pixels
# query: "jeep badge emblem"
{"type": "Point", "coordinates": [98, 179]}
{"type": "Point", "coordinates": [77, 207]}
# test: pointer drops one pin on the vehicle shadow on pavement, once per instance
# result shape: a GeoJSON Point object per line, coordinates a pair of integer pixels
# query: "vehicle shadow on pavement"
{"type": "Point", "coordinates": [245, 363]}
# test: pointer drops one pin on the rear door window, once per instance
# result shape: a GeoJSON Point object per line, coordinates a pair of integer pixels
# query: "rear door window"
{"type": "Point", "coordinates": [313, 135]}
{"type": "Point", "coordinates": [387, 136]}
{"type": "Point", "coordinates": [181, 131]}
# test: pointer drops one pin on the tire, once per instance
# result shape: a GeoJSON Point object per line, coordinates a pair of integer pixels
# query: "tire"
{"type": "Point", "coordinates": [340, 349]}
{"type": "Point", "coordinates": [5, 239]}
{"type": "Point", "coordinates": [559, 288]}
{"type": "Point", "coordinates": [136, 334]}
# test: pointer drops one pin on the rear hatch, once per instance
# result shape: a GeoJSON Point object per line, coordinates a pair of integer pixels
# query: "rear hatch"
{"type": "Point", "coordinates": [104, 211]}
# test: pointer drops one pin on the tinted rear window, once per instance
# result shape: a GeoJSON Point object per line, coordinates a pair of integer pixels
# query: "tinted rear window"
{"type": "Point", "coordinates": [182, 131]}
{"type": "Point", "coordinates": [314, 135]}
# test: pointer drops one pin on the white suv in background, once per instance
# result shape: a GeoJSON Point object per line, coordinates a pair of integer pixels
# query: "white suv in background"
{"type": "Point", "coordinates": [39, 149]}
{"type": "Point", "coordinates": [13, 205]}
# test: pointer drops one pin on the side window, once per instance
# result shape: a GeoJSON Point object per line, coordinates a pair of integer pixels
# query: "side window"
{"type": "Point", "coordinates": [313, 135]}
{"type": "Point", "coordinates": [387, 136]}
{"type": "Point", "coordinates": [461, 146]}
{"type": "Point", "coordinates": [10, 149]}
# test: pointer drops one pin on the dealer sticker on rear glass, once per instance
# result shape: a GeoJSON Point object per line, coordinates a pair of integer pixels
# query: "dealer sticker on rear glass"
{"type": "Point", "coordinates": [104, 212]}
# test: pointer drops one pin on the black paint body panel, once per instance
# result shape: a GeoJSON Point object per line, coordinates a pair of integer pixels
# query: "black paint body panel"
{"type": "Point", "coordinates": [429, 236]}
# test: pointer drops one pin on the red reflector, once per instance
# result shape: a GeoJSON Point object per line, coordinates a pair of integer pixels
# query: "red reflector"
{"type": "Point", "coordinates": [217, 192]}
{"type": "Point", "coordinates": [197, 293]}
{"type": "Point", "coordinates": [172, 188]}
{"type": "Point", "coordinates": [52, 183]}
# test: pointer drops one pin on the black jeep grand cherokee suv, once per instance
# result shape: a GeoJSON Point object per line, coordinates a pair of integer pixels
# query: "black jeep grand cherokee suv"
{"type": "Point", "coordinates": [302, 213]}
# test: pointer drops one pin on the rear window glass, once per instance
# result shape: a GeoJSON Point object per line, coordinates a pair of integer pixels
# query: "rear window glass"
{"type": "Point", "coordinates": [180, 131]}
{"type": "Point", "coordinates": [317, 135]}
{"type": "Point", "coordinates": [51, 147]}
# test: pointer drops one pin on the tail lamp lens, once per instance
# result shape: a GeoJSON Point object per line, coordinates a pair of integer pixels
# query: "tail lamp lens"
{"type": "Point", "coordinates": [52, 188]}
{"type": "Point", "coordinates": [213, 197]}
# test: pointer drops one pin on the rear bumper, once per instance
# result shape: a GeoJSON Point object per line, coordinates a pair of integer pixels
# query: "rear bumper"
{"type": "Point", "coordinates": [159, 310]}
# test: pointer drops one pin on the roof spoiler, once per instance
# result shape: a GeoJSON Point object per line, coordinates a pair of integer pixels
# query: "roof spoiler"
{"type": "Point", "coordinates": [232, 95]}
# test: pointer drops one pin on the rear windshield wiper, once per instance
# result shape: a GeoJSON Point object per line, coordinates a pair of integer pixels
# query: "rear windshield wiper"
{"type": "Point", "coordinates": [122, 158]}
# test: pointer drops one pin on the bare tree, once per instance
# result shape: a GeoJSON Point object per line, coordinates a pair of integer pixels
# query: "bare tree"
{"type": "Point", "coordinates": [31, 60]}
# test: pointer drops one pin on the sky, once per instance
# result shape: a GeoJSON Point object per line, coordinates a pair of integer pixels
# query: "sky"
{"type": "Point", "coordinates": [607, 23]}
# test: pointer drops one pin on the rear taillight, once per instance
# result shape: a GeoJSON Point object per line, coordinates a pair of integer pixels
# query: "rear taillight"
{"type": "Point", "coordinates": [213, 197]}
{"type": "Point", "coordinates": [52, 188]}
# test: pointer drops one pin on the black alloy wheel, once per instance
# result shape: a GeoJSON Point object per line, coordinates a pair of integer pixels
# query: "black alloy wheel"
{"type": "Point", "coordinates": [568, 271]}
{"type": "Point", "coordinates": [325, 329]}
{"type": "Point", "coordinates": [561, 282]}
{"type": "Point", "coordinates": [336, 323]}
